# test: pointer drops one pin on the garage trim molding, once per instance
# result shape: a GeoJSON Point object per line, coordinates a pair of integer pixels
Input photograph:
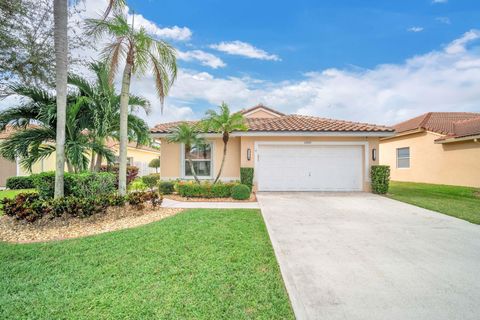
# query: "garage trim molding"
{"type": "Point", "coordinates": [365, 144]}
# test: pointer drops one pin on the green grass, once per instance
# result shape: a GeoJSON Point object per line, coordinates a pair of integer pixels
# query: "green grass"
{"type": "Point", "coordinates": [459, 202]}
{"type": "Point", "coordinates": [200, 264]}
{"type": "Point", "coordinates": [11, 194]}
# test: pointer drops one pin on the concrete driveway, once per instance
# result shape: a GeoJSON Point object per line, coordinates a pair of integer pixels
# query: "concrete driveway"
{"type": "Point", "coordinates": [362, 256]}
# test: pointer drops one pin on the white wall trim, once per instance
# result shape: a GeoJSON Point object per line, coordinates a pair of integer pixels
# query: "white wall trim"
{"type": "Point", "coordinates": [262, 109]}
{"type": "Point", "coordinates": [365, 144]}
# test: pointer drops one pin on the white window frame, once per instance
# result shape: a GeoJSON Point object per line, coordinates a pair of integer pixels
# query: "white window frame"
{"type": "Point", "coordinates": [183, 160]}
{"type": "Point", "coordinates": [401, 158]}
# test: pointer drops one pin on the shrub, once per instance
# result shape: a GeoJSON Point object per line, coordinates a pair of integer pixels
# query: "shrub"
{"type": "Point", "coordinates": [246, 177]}
{"type": "Point", "coordinates": [137, 185]}
{"type": "Point", "coordinates": [25, 206]}
{"type": "Point", "coordinates": [380, 178]}
{"type": "Point", "coordinates": [166, 187]}
{"type": "Point", "coordinates": [192, 189]}
{"type": "Point", "coordinates": [132, 172]}
{"type": "Point", "coordinates": [240, 192]}
{"type": "Point", "coordinates": [151, 180]}
{"type": "Point", "coordinates": [82, 185]}
{"type": "Point", "coordinates": [116, 200]}
{"type": "Point", "coordinates": [20, 183]}
{"type": "Point", "coordinates": [138, 199]}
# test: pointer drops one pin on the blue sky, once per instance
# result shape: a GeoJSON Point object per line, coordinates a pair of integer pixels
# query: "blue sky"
{"type": "Point", "coordinates": [315, 35]}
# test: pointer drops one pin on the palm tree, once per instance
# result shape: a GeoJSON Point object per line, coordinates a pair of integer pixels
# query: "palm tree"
{"type": "Point", "coordinates": [188, 135]}
{"type": "Point", "coordinates": [60, 15]}
{"type": "Point", "coordinates": [104, 110]}
{"type": "Point", "coordinates": [36, 119]}
{"type": "Point", "coordinates": [223, 122]}
{"type": "Point", "coordinates": [139, 51]}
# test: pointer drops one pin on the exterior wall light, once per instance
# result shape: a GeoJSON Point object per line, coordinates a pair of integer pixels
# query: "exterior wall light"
{"type": "Point", "coordinates": [249, 154]}
{"type": "Point", "coordinates": [374, 154]}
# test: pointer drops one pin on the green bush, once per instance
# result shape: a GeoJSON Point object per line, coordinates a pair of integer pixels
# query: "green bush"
{"type": "Point", "coordinates": [246, 177]}
{"type": "Point", "coordinates": [240, 192]}
{"type": "Point", "coordinates": [166, 187]}
{"type": "Point", "coordinates": [138, 199]}
{"type": "Point", "coordinates": [82, 185]}
{"type": "Point", "coordinates": [20, 182]}
{"type": "Point", "coordinates": [151, 180]}
{"type": "Point", "coordinates": [132, 172]}
{"type": "Point", "coordinates": [380, 178]}
{"type": "Point", "coordinates": [137, 185]}
{"type": "Point", "coordinates": [191, 189]}
{"type": "Point", "coordinates": [155, 163]}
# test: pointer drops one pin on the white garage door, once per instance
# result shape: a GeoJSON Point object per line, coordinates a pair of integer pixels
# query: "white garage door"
{"type": "Point", "coordinates": [309, 168]}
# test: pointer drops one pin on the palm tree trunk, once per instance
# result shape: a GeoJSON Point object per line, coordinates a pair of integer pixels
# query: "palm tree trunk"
{"type": "Point", "coordinates": [98, 165]}
{"type": "Point", "coordinates": [60, 12]}
{"type": "Point", "coordinates": [225, 141]}
{"type": "Point", "coordinates": [70, 167]}
{"type": "Point", "coordinates": [124, 97]}
{"type": "Point", "coordinates": [190, 163]}
{"type": "Point", "coordinates": [92, 161]}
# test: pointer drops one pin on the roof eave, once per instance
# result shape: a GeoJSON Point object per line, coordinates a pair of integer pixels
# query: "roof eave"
{"type": "Point", "coordinates": [294, 134]}
{"type": "Point", "coordinates": [475, 138]}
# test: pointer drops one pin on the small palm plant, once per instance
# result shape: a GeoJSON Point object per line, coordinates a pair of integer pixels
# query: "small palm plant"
{"type": "Point", "coordinates": [188, 135]}
{"type": "Point", "coordinates": [224, 122]}
{"type": "Point", "coordinates": [139, 51]}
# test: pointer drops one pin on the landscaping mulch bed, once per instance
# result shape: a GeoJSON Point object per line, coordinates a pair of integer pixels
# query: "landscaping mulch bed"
{"type": "Point", "coordinates": [177, 197]}
{"type": "Point", "coordinates": [14, 231]}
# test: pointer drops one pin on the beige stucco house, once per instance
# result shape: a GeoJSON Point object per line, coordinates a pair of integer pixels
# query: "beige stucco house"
{"type": "Point", "coordinates": [288, 152]}
{"type": "Point", "coordinates": [436, 147]}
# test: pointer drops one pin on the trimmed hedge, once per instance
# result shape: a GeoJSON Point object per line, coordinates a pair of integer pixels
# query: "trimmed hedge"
{"type": "Point", "coordinates": [166, 187]}
{"type": "Point", "coordinates": [31, 207]}
{"type": "Point", "coordinates": [191, 189]}
{"type": "Point", "coordinates": [81, 185]}
{"type": "Point", "coordinates": [20, 182]}
{"type": "Point", "coordinates": [246, 177]}
{"type": "Point", "coordinates": [380, 178]}
{"type": "Point", "coordinates": [240, 192]}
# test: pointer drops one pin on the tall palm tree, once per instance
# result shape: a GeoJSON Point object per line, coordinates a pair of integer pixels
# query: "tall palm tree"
{"type": "Point", "coordinates": [104, 109]}
{"type": "Point", "coordinates": [139, 51]}
{"type": "Point", "coordinates": [224, 122]}
{"type": "Point", "coordinates": [60, 18]}
{"type": "Point", "coordinates": [188, 135]}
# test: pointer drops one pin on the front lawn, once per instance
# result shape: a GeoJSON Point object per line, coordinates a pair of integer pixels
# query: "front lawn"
{"type": "Point", "coordinates": [11, 194]}
{"type": "Point", "coordinates": [200, 264]}
{"type": "Point", "coordinates": [459, 202]}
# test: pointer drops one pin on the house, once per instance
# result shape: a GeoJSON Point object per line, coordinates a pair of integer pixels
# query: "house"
{"type": "Point", "coordinates": [138, 155]}
{"type": "Point", "coordinates": [436, 147]}
{"type": "Point", "coordinates": [287, 152]}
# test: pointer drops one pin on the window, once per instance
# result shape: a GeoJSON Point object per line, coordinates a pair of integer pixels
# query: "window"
{"type": "Point", "coordinates": [403, 158]}
{"type": "Point", "coordinates": [202, 160]}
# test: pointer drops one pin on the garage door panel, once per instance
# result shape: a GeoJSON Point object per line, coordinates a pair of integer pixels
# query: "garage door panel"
{"type": "Point", "coordinates": [309, 168]}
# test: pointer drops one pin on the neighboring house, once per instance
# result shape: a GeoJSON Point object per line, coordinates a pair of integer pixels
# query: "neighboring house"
{"type": "Point", "coordinates": [288, 152]}
{"type": "Point", "coordinates": [436, 147]}
{"type": "Point", "coordinates": [139, 156]}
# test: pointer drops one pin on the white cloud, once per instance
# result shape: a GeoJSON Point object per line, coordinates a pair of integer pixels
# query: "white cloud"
{"type": "Point", "coordinates": [244, 49]}
{"type": "Point", "coordinates": [172, 33]}
{"type": "Point", "coordinates": [439, 1]}
{"type": "Point", "coordinates": [444, 80]}
{"type": "Point", "coordinates": [415, 29]}
{"type": "Point", "coordinates": [445, 20]}
{"type": "Point", "coordinates": [205, 58]}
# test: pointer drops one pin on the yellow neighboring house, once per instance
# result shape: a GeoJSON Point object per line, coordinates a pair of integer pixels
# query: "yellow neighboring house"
{"type": "Point", "coordinates": [139, 156]}
{"type": "Point", "coordinates": [436, 147]}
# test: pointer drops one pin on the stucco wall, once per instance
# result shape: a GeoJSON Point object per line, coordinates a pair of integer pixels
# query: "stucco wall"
{"type": "Point", "coordinates": [453, 164]}
{"type": "Point", "coordinates": [261, 114]}
{"type": "Point", "coordinates": [237, 154]}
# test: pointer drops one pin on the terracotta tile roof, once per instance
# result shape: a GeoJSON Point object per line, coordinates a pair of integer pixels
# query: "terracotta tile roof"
{"type": "Point", "coordinates": [467, 128]}
{"type": "Point", "coordinates": [294, 123]}
{"type": "Point", "coordinates": [115, 144]}
{"type": "Point", "coordinates": [439, 122]}
{"type": "Point", "coordinates": [10, 129]}
{"type": "Point", "coordinates": [261, 106]}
